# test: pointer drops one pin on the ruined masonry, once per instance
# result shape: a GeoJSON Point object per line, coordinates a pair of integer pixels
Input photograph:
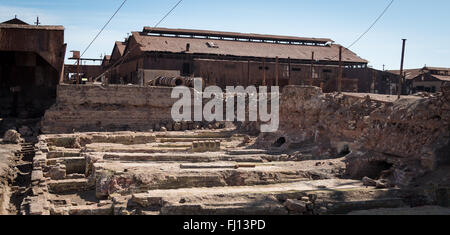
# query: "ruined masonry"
{"type": "Point", "coordinates": [334, 154]}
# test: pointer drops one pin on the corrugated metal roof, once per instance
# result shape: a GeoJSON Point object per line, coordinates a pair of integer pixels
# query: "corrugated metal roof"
{"type": "Point", "coordinates": [243, 48]}
{"type": "Point", "coordinates": [233, 35]}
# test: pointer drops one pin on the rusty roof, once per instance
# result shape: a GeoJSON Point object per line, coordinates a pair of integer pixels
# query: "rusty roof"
{"type": "Point", "coordinates": [15, 21]}
{"type": "Point", "coordinates": [409, 73]}
{"type": "Point", "coordinates": [121, 47]}
{"type": "Point", "coordinates": [35, 27]}
{"type": "Point", "coordinates": [413, 73]}
{"type": "Point", "coordinates": [152, 43]}
{"type": "Point", "coordinates": [442, 78]}
{"type": "Point", "coordinates": [436, 68]}
{"type": "Point", "coordinates": [220, 34]}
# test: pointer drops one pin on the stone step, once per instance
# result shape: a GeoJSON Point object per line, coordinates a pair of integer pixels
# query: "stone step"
{"type": "Point", "coordinates": [63, 153]}
{"type": "Point", "coordinates": [70, 185]}
{"type": "Point", "coordinates": [180, 157]}
{"type": "Point", "coordinates": [191, 157]}
{"type": "Point", "coordinates": [196, 134]}
{"type": "Point", "coordinates": [142, 148]}
{"type": "Point", "coordinates": [342, 208]}
{"type": "Point", "coordinates": [268, 199]}
{"type": "Point", "coordinates": [189, 140]}
{"type": "Point", "coordinates": [143, 176]}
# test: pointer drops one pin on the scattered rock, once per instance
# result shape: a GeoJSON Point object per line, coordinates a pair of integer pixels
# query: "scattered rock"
{"type": "Point", "coordinates": [295, 206]}
{"type": "Point", "coordinates": [177, 126]}
{"type": "Point", "coordinates": [369, 182]}
{"type": "Point", "coordinates": [13, 137]}
{"type": "Point", "coordinates": [305, 199]}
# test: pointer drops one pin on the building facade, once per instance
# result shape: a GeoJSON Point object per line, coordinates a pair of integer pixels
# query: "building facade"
{"type": "Point", "coordinates": [232, 59]}
{"type": "Point", "coordinates": [31, 67]}
{"type": "Point", "coordinates": [426, 79]}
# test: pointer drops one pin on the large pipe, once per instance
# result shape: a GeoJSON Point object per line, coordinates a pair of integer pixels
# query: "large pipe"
{"type": "Point", "coordinates": [174, 81]}
{"type": "Point", "coordinates": [169, 81]}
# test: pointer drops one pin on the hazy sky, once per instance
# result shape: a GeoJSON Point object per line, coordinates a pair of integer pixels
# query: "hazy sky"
{"type": "Point", "coordinates": [424, 23]}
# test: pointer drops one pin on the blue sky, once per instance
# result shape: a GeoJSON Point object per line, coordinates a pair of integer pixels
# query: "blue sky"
{"type": "Point", "coordinates": [424, 23]}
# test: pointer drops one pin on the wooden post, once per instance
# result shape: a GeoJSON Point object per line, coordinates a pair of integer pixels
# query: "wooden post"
{"type": "Point", "coordinates": [248, 73]}
{"type": "Point", "coordinates": [264, 72]}
{"type": "Point", "coordinates": [277, 72]}
{"type": "Point", "coordinates": [289, 72]}
{"type": "Point", "coordinates": [78, 71]}
{"type": "Point", "coordinates": [340, 71]}
{"type": "Point", "coordinates": [374, 78]}
{"type": "Point", "coordinates": [311, 82]}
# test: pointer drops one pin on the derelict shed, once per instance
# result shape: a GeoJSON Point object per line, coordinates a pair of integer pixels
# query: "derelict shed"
{"type": "Point", "coordinates": [31, 64]}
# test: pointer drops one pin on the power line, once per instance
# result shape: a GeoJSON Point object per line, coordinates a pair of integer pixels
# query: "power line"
{"type": "Point", "coordinates": [122, 59]}
{"type": "Point", "coordinates": [370, 28]}
{"type": "Point", "coordinates": [107, 23]}
{"type": "Point", "coordinates": [374, 23]}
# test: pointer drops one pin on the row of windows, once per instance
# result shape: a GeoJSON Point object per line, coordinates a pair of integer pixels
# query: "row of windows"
{"type": "Point", "coordinates": [440, 72]}
{"type": "Point", "coordinates": [297, 69]}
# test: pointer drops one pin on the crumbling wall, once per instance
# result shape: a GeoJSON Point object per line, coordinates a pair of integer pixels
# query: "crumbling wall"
{"type": "Point", "coordinates": [112, 108]}
{"type": "Point", "coordinates": [396, 140]}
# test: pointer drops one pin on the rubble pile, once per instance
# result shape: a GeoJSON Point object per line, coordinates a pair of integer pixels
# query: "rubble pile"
{"type": "Point", "coordinates": [12, 137]}
{"type": "Point", "coordinates": [384, 138]}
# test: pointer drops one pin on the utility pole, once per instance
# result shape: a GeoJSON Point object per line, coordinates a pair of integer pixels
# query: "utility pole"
{"type": "Point", "coordinates": [340, 71]}
{"type": "Point", "coordinates": [311, 82]}
{"type": "Point", "coordinates": [400, 83]}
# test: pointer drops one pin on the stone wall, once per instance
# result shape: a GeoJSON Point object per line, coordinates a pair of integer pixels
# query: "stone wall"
{"type": "Point", "coordinates": [397, 140]}
{"type": "Point", "coordinates": [112, 108]}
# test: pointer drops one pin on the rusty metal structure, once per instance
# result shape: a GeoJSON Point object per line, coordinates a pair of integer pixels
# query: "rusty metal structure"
{"type": "Point", "coordinates": [230, 59]}
{"type": "Point", "coordinates": [31, 66]}
{"type": "Point", "coordinates": [81, 71]}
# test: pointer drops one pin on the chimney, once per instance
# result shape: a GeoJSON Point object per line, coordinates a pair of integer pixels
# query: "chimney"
{"type": "Point", "coordinates": [188, 46]}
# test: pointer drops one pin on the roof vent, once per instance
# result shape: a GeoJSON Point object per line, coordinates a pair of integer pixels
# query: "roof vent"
{"type": "Point", "coordinates": [212, 45]}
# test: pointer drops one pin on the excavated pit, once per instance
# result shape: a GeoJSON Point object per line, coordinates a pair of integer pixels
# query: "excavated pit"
{"type": "Point", "coordinates": [333, 154]}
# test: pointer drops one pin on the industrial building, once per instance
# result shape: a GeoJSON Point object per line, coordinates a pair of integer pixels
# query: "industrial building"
{"type": "Point", "coordinates": [426, 79]}
{"type": "Point", "coordinates": [31, 67]}
{"type": "Point", "coordinates": [230, 59]}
